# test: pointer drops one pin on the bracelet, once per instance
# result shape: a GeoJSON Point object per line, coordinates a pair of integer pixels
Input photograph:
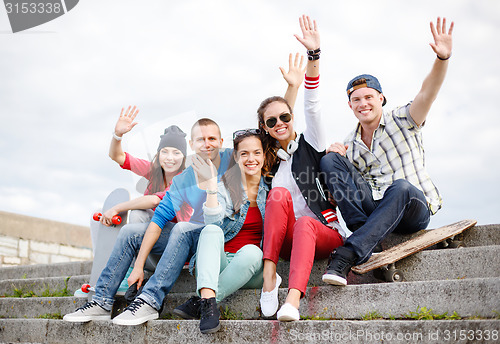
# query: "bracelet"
{"type": "Point", "coordinates": [313, 55]}
{"type": "Point", "coordinates": [442, 58]}
{"type": "Point", "coordinates": [211, 192]}
{"type": "Point", "coordinates": [116, 137]}
{"type": "Point", "coordinates": [314, 52]}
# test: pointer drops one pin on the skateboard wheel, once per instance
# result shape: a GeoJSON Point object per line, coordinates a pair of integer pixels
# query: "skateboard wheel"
{"type": "Point", "coordinates": [97, 216]}
{"type": "Point", "coordinates": [456, 244]}
{"type": "Point", "coordinates": [86, 288]}
{"type": "Point", "coordinates": [394, 275]}
{"type": "Point", "coordinates": [116, 220]}
{"type": "Point", "coordinates": [444, 244]}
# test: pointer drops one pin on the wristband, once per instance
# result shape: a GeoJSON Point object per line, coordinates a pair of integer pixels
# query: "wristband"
{"type": "Point", "coordinates": [313, 57]}
{"type": "Point", "coordinates": [314, 52]}
{"type": "Point", "coordinates": [439, 57]}
{"type": "Point", "coordinates": [116, 137]}
{"type": "Point", "coordinates": [211, 192]}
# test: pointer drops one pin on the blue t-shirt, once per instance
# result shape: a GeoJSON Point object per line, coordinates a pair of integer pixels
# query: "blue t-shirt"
{"type": "Point", "coordinates": [184, 189]}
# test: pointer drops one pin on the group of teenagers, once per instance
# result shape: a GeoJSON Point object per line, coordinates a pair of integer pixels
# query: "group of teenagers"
{"type": "Point", "coordinates": [233, 213]}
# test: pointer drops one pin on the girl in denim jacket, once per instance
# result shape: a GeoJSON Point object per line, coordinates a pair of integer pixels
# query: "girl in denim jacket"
{"type": "Point", "coordinates": [229, 256]}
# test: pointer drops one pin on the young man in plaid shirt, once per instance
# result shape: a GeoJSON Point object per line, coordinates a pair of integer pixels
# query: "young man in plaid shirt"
{"type": "Point", "coordinates": [377, 176]}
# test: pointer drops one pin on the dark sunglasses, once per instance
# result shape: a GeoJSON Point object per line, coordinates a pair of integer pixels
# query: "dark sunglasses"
{"type": "Point", "coordinates": [243, 132]}
{"type": "Point", "coordinates": [284, 117]}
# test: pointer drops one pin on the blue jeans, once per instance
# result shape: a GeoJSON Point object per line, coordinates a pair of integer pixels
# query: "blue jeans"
{"type": "Point", "coordinates": [126, 247]}
{"type": "Point", "coordinates": [403, 208]}
{"type": "Point", "coordinates": [180, 247]}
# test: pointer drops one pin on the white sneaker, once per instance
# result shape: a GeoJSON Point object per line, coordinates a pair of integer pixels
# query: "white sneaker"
{"type": "Point", "coordinates": [334, 279]}
{"type": "Point", "coordinates": [288, 312]}
{"type": "Point", "coordinates": [269, 299]}
{"type": "Point", "coordinates": [138, 312]}
{"type": "Point", "coordinates": [90, 311]}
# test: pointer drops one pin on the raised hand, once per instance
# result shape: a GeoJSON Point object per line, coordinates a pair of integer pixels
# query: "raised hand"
{"type": "Point", "coordinates": [310, 34]}
{"type": "Point", "coordinates": [295, 74]}
{"type": "Point", "coordinates": [442, 39]}
{"type": "Point", "coordinates": [206, 172]}
{"type": "Point", "coordinates": [126, 121]}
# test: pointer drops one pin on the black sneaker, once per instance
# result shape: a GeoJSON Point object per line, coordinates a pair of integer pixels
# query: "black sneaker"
{"type": "Point", "coordinates": [189, 309]}
{"type": "Point", "coordinates": [340, 262]}
{"type": "Point", "coordinates": [209, 315]}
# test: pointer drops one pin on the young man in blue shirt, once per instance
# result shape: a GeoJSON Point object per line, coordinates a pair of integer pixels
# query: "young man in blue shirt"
{"type": "Point", "coordinates": [161, 237]}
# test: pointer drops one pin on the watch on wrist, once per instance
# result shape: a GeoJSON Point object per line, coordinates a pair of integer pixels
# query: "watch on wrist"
{"type": "Point", "coordinates": [116, 137]}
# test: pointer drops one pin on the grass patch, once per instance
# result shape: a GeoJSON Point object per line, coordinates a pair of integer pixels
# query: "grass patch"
{"type": "Point", "coordinates": [424, 313]}
{"type": "Point", "coordinates": [316, 317]}
{"type": "Point", "coordinates": [56, 316]}
{"type": "Point", "coordinates": [227, 314]}
{"type": "Point", "coordinates": [45, 291]}
{"type": "Point", "coordinates": [372, 316]}
{"type": "Point", "coordinates": [169, 316]}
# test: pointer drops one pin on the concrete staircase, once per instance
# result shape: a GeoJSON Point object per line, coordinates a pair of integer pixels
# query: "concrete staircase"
{"type": "Point", "coordinates": [463, 283]}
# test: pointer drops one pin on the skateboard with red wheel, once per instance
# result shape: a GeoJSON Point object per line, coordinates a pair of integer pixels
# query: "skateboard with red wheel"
{"type": "Point", "coordinates": [116, 220]}
{"type": "Point", "coordinates": [106, 236]}
{"type": "Point", "coordinates": [386, 260]}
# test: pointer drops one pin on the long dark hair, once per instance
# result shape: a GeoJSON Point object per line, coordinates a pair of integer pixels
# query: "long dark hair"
{"type": "Point", "coordinates": [269, 144]}
{"type": "Point", "coordinates": [156, 176]}
{"type": "Point", "coordinates": [232, 177]}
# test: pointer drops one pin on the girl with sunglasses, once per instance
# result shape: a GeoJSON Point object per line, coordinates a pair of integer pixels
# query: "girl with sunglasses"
{"type": "Point", "coordinates": [228, 256]}
{"type": "Point", "coordinates": [304, 224]}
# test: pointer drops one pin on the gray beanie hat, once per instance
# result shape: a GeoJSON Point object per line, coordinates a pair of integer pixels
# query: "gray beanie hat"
{"type": "Point", "coordinates": [173, 137]}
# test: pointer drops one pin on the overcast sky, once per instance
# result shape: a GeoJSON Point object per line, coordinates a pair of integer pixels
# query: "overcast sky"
{"type": "Point", "coordinates": [63, 85]}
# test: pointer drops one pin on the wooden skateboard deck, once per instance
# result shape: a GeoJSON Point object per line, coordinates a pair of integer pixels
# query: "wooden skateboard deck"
{"type": "Point", "coordinates": [106, 236]}
{"type": "Point", "coordinates": [387, 258]}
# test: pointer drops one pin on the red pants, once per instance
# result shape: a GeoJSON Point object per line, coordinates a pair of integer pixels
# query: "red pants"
{"type": "Point", "coordinates": [300, 241]}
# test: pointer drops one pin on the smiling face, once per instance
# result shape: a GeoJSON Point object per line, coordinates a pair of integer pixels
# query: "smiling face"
{"type": "Point", "coordinates": [206, 141]}
{"type": "Point", "coordinates": [170, 159]}
{"type": "Point", "coordinates": [282, 131]}
{"type": "Point", "coordinates": [250, 156]}
{"type": "Point", "coordinates": [366, 103]}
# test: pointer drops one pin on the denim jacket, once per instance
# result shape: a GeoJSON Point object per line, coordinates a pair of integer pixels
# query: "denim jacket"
{"type": "Point", "coordinates": [223, 216]}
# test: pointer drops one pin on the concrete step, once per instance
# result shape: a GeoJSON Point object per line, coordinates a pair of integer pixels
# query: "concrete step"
{"type": "Point", "coordinates": [46, 270]}
{"type": "Point", "coordinates": [468, 262]}
{"type": "Point", "coordinates": [186, 283]}
{"type": "Point", "coordinates": [41, 285]}
{"type": "Point", "coordinates": [471, 297]}
{"type": "Point", "coordinates": [483, 235]}
{"type": "Point", "coordinates": [252, 331]}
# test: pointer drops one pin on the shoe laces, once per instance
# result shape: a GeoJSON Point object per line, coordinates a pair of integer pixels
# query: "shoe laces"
{"type": "Point", "coordinates": [135, 305]}
{"type": "Point", "coordinates": [206, 309]}
{"type": "Point", "coordinates": [88, 305]}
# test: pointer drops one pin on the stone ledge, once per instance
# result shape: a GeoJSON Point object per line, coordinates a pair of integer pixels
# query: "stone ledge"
{"type": "Point", "coordinates": [32, 228]}
{"type": "Point", "coordinates": [248, 331]}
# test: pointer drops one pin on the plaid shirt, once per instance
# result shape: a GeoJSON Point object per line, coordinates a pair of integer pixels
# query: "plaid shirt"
{"type": "Point", "coordinates": [396, 152]}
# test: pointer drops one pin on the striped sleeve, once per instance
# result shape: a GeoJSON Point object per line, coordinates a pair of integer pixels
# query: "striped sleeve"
{"type": "Point", "coordinates": [311, 82]}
